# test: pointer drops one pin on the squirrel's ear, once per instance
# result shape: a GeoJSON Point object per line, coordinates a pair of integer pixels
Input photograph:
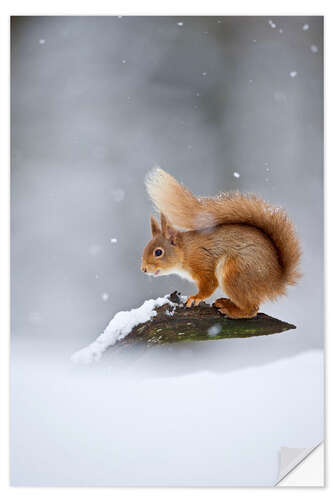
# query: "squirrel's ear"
{"type": "Point", "coordinates": [172, 235]}
{"type": "Point", "coordinates": [154, 226]}
{"type": "Point", "coordinates": [164, 225]}
{"type": "Point", "coordinates": [168, 231]}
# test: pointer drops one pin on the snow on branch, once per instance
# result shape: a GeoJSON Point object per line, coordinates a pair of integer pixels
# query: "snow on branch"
{"type": "Point", "coordinates": [166, 320]}
{"type": "Point", "coordinates": [120, 326]}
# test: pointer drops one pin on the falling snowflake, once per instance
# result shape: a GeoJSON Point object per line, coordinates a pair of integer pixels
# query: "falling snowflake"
{"type": "Point", "coordinates": [272, 25]}
{"type": "Point", "coordinates": [105, 296]}
{"type": "Point", "coordinates": [293, 74]}
{"type": "Point", "coordinates": [42, 41]}
{"type": "Point", "coordinates": [94, 249]}
{"type": "Point", "coordinates": [204, 73]}
{"type": "Point", "coordinates": [35, 318]}
{"type": "Point", "coordinates": [279, 96]}
{"type": "Point", "coordinates": [305, 27]}
{"type": "Point", "coordinates": [118, 195]}
{"type": "Point", "coordinates": [124, 61]}
{"type": "Point", "coordinates": [214, 330]}
{"type": "Point", "coordinates": [113, 240]}
{"type": "Point", "coordinates": [236, 174]}
{"type": "Point", "coordinates": [314, 49]}
{"type": "Point", "coordinates": [180, 23]}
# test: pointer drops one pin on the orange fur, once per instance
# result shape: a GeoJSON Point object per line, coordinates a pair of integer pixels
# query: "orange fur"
{"type": "Point", "coordinates": [237, 241]}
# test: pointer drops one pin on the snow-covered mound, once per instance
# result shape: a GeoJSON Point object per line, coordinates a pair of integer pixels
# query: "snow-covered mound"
{"type": "Point", "coordinates": [120, 326]}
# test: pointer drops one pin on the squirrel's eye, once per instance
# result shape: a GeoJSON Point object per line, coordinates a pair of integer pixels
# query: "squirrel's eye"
{"type": "Point", "coordinates": [158, 252]}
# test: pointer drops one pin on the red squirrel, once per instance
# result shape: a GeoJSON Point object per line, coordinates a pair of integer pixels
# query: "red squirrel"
{"type": "Point", "coordinates": [234, 241]}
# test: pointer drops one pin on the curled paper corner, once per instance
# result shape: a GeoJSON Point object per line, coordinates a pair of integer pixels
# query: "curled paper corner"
{"type": "Point", "coordinates": [290, 458]}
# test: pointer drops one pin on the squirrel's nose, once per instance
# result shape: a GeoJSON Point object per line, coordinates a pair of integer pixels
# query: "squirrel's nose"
{"type": "Point", "coordinates": [144, 269]}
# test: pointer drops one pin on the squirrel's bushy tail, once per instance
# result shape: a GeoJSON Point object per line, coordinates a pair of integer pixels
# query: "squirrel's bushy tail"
{"type": "Point", "coordinates": [185, 211]}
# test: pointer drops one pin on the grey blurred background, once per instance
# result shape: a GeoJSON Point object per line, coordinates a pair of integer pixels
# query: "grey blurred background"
{"type": "Point", "coordinates": [98, 101]}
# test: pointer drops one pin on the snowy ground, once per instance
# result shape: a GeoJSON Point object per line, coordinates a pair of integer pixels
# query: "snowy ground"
{"type": "Point", "coordinates": [205, 414]}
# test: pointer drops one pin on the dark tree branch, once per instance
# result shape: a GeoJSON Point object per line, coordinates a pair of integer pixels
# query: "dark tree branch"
{"type": "Point", "coordinates": [203, 322]}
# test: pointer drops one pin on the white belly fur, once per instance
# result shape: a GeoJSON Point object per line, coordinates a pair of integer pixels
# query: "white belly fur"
{"type": "Point", "coordinates": [187, 276]}
{"type": "Point", "coordinates": [180, 272]}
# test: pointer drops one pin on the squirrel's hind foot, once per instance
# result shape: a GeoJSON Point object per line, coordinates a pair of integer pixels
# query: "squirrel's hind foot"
{"type": "Point", "coordinates": [227, 307]}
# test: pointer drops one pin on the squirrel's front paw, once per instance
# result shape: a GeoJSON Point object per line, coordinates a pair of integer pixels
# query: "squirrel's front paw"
{"type": "Point", "coordinates": [192, 300]}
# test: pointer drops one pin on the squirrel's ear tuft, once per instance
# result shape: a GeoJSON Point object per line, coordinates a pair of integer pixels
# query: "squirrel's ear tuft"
{"type": "Point", "coordinates": [168, 231]}
{"type": "Point", "coordinates": [164, 225]}
{"type": "Point", "coordinates": [154, 226]}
